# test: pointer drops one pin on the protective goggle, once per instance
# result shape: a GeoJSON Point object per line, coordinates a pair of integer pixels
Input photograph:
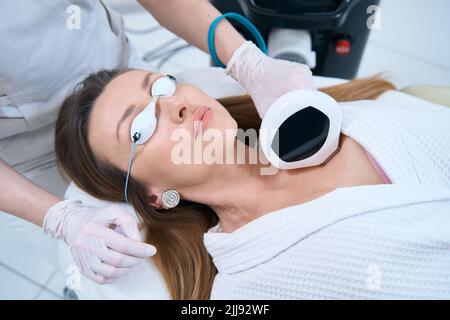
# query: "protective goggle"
{"type": "Point", "coordinates": [301, 129]}
{"type": "Point", "coordinates": [144, 124]}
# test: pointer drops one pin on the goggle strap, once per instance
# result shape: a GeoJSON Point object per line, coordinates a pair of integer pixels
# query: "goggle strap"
{"type": "Point", "coordinates": [133, 145]}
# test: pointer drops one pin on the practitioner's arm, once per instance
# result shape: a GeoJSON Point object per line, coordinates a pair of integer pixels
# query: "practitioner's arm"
{"type": "Point", "coordinates": [190, 20]}
{"type": "Point", "coordinates": [22, 198]}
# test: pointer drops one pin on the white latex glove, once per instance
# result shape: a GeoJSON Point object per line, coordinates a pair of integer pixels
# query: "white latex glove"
{"type": "Point", "coordinates": [265, 78]}
{"type": "Point", "coordinates": [103, 254]}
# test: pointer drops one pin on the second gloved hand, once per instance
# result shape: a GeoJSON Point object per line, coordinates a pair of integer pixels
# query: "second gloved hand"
{"type": "Point", "coordinates": [103, 254]}
{"type": "Point", "coordinates": [266, 79]}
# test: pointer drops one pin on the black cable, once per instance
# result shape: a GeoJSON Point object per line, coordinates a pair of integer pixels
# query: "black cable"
{"type": "Point", "coordinates": [156, 53]}
{"type": "Point", "coordinates": [171, 53]}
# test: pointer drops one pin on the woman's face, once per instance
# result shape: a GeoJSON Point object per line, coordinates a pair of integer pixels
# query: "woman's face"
{"type": "Point", "coordinates": [154, 164]}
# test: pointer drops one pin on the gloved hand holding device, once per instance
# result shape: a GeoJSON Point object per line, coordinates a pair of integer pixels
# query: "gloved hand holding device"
{"type": "Point", "coordinates": [265, 78]}
{"type": "Point", "coordinates": [300, 125]}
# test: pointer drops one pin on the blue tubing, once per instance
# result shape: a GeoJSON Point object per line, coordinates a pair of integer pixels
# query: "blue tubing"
{"type": "Point", "coordinates": [245, 23]}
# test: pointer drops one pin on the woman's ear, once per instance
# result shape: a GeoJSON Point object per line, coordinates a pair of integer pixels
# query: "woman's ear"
{"type": "Point", "coordinates": [155, 202]}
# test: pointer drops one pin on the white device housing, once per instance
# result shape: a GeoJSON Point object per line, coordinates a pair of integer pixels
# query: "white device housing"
{"type": "Point", "coordinates": [293, 45]}
{"type": "Point", "coordinates": [289, 104]}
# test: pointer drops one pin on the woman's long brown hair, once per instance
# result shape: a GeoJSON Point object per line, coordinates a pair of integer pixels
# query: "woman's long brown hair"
{"type": "Point", "coordinates": [177, 233]}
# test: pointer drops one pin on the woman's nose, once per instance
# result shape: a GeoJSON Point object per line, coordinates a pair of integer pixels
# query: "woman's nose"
{"type": "Point", "coordinates": [175, 108]}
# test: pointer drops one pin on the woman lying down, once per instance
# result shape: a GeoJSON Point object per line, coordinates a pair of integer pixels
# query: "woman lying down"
{"type": "Point", "coordinates": [372, 222]}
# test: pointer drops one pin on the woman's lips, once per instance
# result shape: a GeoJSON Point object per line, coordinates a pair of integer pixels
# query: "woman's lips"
{"type": "Point", "coordinates": [201, 115]}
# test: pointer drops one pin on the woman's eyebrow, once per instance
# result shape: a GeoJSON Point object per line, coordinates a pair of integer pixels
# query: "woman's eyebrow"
{"type": "Point", "coordinates": [146, 81]}
{"type": "Point", "coordinates": [125, 115]}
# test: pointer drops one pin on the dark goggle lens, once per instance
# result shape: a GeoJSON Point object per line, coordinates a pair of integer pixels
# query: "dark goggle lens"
{"type": "Point", "coordinates": [301, 135]}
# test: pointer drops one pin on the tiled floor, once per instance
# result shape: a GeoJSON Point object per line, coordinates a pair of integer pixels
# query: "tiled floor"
{"type": "Point", "coordinates": [26, 273]}
{"type": "Point", "coordinates": [412, 45]}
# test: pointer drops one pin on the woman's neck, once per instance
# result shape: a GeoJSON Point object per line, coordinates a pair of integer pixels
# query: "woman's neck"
{"type": "Point", "coordinates": [241, 193]}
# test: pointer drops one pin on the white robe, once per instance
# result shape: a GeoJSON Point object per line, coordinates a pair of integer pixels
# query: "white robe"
{"type": "Point", "coordinates": [376, 241]}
